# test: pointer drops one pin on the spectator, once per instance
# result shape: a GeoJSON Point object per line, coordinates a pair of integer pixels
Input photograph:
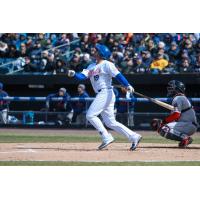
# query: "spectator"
{"type": "Point", "coordinates": [167, 40]}
{"type": "Point", "coordinates": [23, 38]}
{"type": "Point", "coordinates": [125, 48]}
{"type": "Point", "coordinates": [158, 64]}
{"type": "Point", "coordinates": [51, 63]}
{"type": "Point", "coordinates": [117, 56]}
{"type": "Point", "coordinates": [79, 107]}
{"type": "Point", "coordinates": [190, 50]}
{"type": "Point", "coordinates": [161, 45]}
{"type": "Point", "coordinates": [173, 53]}
{"type": "Point", "coordinates": [60, 67]}
{"type": "Point", "coordinates": [53, 38]}
{"type": "Point", "coordinates": [197, 48]}
{"type": "Point", "coordinates": [75, 63]}
{"type": "Point", "coordinates": [197, 64]}
{"type": "Point", "coordinates": [36, 50]}
{"type": "Point", "coordinates": [141, 47]}
{"type": "Point", "coordinates": [42, 40]}
{"type": "Point", "coordinates": [48, 44]}
{"type": "Point", "coordinates": [110, 41]}
{"type": "Point", "coordinates": [4, 105]}
{"type": "Point", "coordinates": [151, 47]}
{"type": "Point", "coordinates": [29, 67]}
{"type": "Point", "coordinates": [23, 50]}
{"type": "Point", "coordinates": [12, 52]}
{"type": "Point", "coordinates": [162, 51]}
{"type": "Point", "coordinates": [29, 44]}
{"type": "Point", "coordinates": [57, 53]}
{"type": "Point", "coordinates": [44, 54]}
{"type": "Point", "coordinates": [185, 66]}
{"type": "Point", "coordinates": [192, 38]}
{"type": "Point", "coordinates": [184, 55]}
{"type": "Point", "coordinates": [147, 59]}
{"type": "Point", "coordinates": [63, 106]}
{"type": "Point", "coordinates": [3, 49]}
{"type": "Point", "coordinates": [127, 65]}
{"type": "Point", "coordinates": [139, 66]}
{"type": "Point", "coordinates": [62, 41]}
{"type": "Point", "coordinates": [86, 61]}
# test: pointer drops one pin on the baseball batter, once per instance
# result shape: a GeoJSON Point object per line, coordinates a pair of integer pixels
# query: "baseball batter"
{"type": "Point", "coordinates": [182, 122]}
{"type": "Point", "coordinates": [100, 74]}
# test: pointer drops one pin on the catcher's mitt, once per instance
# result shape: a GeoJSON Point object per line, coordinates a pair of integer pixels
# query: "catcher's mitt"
{"type": "Point", "coordinates": [156, 124]}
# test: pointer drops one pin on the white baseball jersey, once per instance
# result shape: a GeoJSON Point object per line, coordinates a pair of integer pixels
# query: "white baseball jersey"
{"type": "Point", "coordinates": [101, 74]}
{"type": "Point", "coordinates": [101, 78]}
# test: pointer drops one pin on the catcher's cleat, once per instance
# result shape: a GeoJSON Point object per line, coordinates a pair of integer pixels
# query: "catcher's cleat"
{"type": "Point", "coordinates": [185, 142]}
{"type": "Point", "coordinates": [135, 144]}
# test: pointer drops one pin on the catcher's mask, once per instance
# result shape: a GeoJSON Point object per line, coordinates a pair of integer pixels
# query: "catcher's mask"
{"type": "Point", "coordinates": [174, 87]}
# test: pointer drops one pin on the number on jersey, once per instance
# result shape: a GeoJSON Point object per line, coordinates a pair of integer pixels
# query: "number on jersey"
{"type": "Point", "coordinates": [96, 78]}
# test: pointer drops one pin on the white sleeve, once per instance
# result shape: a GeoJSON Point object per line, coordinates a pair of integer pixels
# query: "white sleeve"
{"type": "Point", "coordinates": [85, 72]}
{"type": "Point", "coordinates": [112, 70]}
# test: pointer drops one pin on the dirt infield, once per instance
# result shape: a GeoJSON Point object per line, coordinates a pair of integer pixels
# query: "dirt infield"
{"type": "Point", "coordinates": [117, 152]}
{"type": "Point", "coordinates": [87, 152]}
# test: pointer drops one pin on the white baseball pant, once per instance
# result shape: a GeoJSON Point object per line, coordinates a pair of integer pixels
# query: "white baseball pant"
{"type": "Point", "coordinates": [104, 104]}
{"type": "Point", "coordinates": [3, 116]}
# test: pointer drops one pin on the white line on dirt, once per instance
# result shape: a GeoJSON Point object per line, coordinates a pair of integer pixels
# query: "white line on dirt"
{"type": "Point", "coordinates": [144, 161]}
{"type": "Point", "coordinates": [24, 151]}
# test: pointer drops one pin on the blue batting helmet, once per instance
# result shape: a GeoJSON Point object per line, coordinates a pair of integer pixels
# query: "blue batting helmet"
{"type": "Point", "coordinates": [103, 51]}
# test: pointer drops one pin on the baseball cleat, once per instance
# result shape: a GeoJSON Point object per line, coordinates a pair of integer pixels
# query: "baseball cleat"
{"type": "Point", "coordinates": [135, 144]}
{"type": "Point", "coordinates": [105, 143]}
{"type": "Point", "coordinates": [185, 142]}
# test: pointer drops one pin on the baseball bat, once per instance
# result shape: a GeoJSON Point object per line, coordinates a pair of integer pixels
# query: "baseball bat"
{"type": "Point", "coordinates": [160, 103]}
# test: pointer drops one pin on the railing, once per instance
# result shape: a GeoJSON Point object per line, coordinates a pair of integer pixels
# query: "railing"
{"type": "Point", "coordinates": [20, 62]}
{"type": "Point", "coordinates": [63, 45]}
{"type": "Point", "coordinates": [45, 117]}
{"type": "Point", "coordinates": [192, 99]}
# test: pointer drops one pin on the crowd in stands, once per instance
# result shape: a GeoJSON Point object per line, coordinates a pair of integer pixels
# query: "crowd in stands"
{"type": "Point", "coordinates": [53, 53]}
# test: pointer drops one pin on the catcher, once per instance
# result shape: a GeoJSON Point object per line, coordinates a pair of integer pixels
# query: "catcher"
{"type": "Point", "coordinates": [182, 122]}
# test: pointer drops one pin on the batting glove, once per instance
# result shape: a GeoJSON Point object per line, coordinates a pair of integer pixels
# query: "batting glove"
{"type": "Point", "coordinates": [130, 89]}
{"type": "Point", "coordinates": [71, 73]}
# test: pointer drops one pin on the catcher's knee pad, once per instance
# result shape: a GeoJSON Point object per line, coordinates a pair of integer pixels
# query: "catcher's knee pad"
{"type": "Point", "coordinates": [165, 131]}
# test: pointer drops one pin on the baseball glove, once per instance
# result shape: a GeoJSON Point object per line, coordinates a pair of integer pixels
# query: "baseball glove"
{"type": "Point", "coordinates": [156, 124]}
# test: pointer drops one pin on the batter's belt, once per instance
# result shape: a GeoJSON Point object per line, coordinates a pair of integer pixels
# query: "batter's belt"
{"type": "Point", "coordinates": [109, 88]}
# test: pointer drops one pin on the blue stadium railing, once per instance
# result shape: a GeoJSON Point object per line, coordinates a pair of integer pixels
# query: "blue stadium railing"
{"type": "Point", "coordinates": [90, 99]}
{"type": "Point", "coordinates": [48, 118]}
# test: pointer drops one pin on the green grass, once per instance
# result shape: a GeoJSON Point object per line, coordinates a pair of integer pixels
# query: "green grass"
{"type": "Point", "coordinates": [12, 138]}
{"type": "Point", "coordinates": [60, 163]}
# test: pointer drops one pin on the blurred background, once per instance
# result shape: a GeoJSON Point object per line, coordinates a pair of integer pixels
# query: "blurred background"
{"type": "Point", "coordinates": [35, 65]}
